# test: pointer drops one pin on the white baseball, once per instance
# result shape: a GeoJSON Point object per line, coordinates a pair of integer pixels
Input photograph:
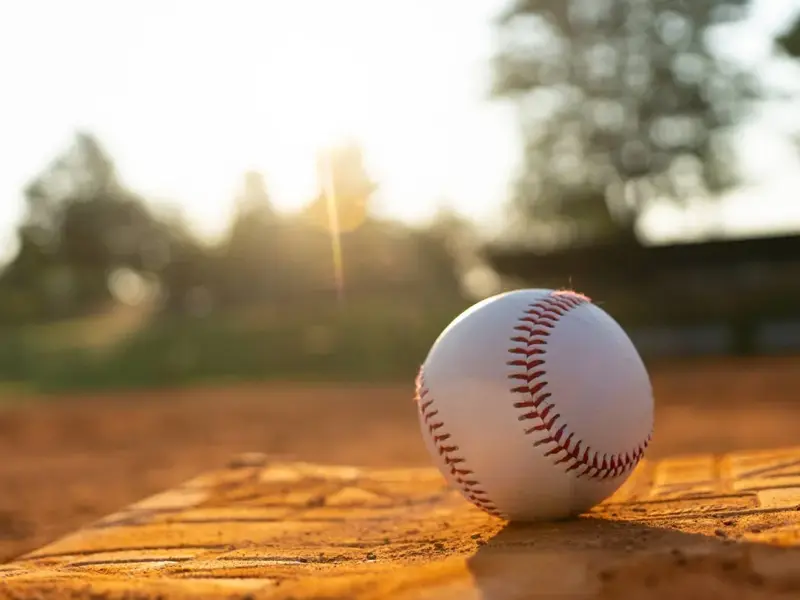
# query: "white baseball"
{"type": "Point", "coordinates": [535, 404]}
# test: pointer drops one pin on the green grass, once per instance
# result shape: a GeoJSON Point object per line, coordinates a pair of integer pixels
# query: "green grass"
{"type": "Point", "coordinates": [363, 342]}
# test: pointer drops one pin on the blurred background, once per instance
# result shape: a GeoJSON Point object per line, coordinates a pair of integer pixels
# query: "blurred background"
{"type": "Point", "coordinates": [239, 226]}
{"type": "Point", "coordinates": [311, 190]}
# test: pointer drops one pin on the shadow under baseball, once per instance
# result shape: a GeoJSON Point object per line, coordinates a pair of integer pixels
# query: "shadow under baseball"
{"type": "Point", "coordinates": [597, 558]}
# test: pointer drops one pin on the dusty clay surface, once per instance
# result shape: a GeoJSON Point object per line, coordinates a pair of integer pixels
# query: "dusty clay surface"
{"type": "Point", "coordinates": [69, 463]}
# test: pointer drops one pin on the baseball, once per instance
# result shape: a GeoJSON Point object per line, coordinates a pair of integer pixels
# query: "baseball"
{"type": "Point", "coordinates": [535, 404]}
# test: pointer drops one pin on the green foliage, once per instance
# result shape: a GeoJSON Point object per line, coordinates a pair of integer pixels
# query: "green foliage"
{"type": "Point", "coordinates": [377, 339]}
{"type": "Point", "coordinates": [790, 40]}
{"type": "Point", "coordinates": [83, 225]}
{"type": "Point", "coordinates": [620, 103]}
{"type": "Point", "coordinates": [261, 303]}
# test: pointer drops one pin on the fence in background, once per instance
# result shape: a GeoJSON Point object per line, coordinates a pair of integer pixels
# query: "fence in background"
{"type": "Point", "coordinates": [721, 297]}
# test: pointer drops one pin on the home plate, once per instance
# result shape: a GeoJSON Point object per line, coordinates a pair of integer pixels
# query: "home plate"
{"type": "Point", "coordinates": [727, 524]}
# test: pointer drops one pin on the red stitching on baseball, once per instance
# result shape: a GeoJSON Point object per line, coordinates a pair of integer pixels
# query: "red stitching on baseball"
{"type": "Point", "coordinates": [447, 449]}
{"type": "Point", "coordinates": [531, 333]}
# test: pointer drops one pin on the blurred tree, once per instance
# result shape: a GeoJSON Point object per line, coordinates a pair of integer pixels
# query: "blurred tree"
{"type": "Point", "coordinates": [83, 229]}
{"type": "Point", "coordinates": [790, 40]}
{"type": "Point", "coordinates": [189, 270]}
{"type": "Point", "coordinates": [344, 181]}
{"type": "Point", "coordinates": [447, 248]}
{"type": "Point", "coordinates": [252, 250]}
{"type": "Point", "coordinates": [321, 258]}
{"type": "Point", "coordinates": [620, 103]}
{"type": "Point", "coordinates": [81, 223]}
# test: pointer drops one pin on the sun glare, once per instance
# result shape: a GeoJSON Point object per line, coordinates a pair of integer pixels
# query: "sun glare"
{"type": "Point", "coordinates": [188, 95]}
{"type": "Point", "coordinates": [266, 86]}
{"type": "Point", "coordinates": [272, 99]}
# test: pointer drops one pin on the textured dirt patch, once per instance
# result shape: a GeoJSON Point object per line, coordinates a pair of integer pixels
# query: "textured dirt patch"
{"type": "Point", "coordinates": [283, 530]}
{"type": "Point", "coordinates": [67, 463]}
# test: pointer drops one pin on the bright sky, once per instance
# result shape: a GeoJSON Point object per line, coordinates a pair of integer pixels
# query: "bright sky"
{"type": "Point", "coordinates": [188, 94]}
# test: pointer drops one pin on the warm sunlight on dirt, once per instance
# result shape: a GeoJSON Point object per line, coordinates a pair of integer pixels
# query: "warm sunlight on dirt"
{"type": "Point", "coordinates": [68, 463]}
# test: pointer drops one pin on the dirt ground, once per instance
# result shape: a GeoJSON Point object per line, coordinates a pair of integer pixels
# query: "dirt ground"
{"type": "Point", "coordinates": [68, 462]}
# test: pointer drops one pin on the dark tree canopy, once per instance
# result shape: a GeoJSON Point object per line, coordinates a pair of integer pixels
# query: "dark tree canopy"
{"type": "Point", "coordinates": [83, 228]}
{"type": "Point", "coordinates": [790, 41]}
{"type": "Point", "coordinates": [81, 223]}
{"type": "Point", "coordinates": [78, 209]}
{"type": "Point", "coordinates": [253, 254]}
{"type": "Point", "coordinates": [254, 218]}
{"type": "Point", "coordinates": [620, 102]}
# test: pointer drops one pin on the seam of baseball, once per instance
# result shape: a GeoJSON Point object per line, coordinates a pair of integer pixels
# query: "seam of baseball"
{"type": "Point", "coordinates": [530, 336]}
{"type": "Point", "coordinates": [449, 451]}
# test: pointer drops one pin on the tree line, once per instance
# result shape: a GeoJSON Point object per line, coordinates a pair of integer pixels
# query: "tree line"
{"type": "Point", "coordinates": [82, 227]}
{"type": "Point", "coordinates": [621, 104]}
